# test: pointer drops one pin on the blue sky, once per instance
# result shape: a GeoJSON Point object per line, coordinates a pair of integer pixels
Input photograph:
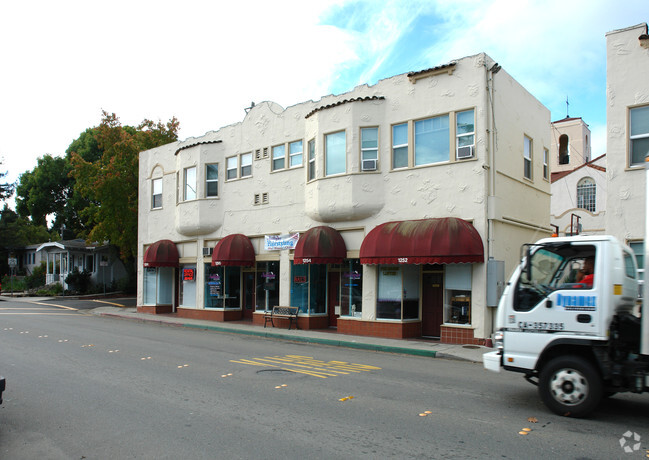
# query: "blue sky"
{"type": "Point", "coordinates": [205, 61]}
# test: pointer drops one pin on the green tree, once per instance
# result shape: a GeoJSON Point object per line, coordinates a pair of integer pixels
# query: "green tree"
{"type": "Point", "coordinates": [16, 232]}
{"type": "Point", "coordinates": [6, 189]}
{"type": "Point", "coordinates": [110, 182]}
{"type": "Point", "coordinates": [45, 190]}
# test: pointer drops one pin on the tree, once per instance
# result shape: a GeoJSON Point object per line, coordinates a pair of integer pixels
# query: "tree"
{"type": "Point", "coordinates": [17, 232]}
{"type": "Point", "coordinates": [45, 190]}
{"type": "Point", "coordinates": [110, 183]}
{"type": "Point", "coordinates": [6, 190]}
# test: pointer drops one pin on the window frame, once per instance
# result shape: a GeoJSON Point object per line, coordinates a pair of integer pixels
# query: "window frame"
{"type": "Point", "coordinates": [242, 166]}
{"type": "Point", "coordinates": [365, 150]}
{"type": "Point", "coordinates": [432, 133]}
{"type": "Point", "coordinates": [328, 156]}
{"type": "Point", "coordinates": [238, 167]}
{"type": "Point", "coordinates": [276, 159]}
{"type": "Point", "coordinates": [229, 168]}
{"type": "Point", "coordinates": [637, 137]}
{"type": "Point", "coordinates": [295, 154]}
{"type": "Point", "coordinates": [187, 185]}
{"type": "Point", "coordinates": [311, 160]}
{"type": "Point", "coordinates": [459, 136]}
{"type": "Point", "coordinates": [587, 194]}
{"type": "Point", "coordinates": [400, 146]}
{"type": "Point", "coordinates": [209, 181]}
{"type": "Point", "coordinates": [527, 157]}
{"type": "Point", "coordinates": [546, 164]}
{"type": "Point", "coordinates": [154, 194]}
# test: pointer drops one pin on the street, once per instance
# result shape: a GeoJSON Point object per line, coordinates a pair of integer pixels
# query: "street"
{"type": "Point", "coordinates": [82, 386]}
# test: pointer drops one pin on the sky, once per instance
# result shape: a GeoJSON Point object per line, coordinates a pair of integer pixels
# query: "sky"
{"type": "Point", "coordinates": [204, 62]}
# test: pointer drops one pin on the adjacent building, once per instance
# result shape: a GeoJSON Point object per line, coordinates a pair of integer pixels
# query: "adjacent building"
{"type": "Point", "coordinates": [578, 182]}
{"type": "Point", "coordinates": [393, 210]}
{"type": "Point", "coordinates": [627, 139]}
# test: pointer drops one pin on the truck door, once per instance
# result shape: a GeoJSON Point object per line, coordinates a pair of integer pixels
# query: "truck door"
{"type": "Point", "coordinates": [557, 290]}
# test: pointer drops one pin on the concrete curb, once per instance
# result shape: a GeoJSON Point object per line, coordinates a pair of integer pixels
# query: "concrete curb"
{"type": "Point", "coordinates": [290, 338]}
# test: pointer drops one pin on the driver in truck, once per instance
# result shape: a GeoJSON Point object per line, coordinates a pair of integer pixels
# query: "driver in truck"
{"type": "Point", "coordinates": [586, 275]}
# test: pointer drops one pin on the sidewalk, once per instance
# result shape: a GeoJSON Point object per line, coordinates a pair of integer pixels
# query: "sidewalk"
{"type": "Point", "coordinates": [417, 347]}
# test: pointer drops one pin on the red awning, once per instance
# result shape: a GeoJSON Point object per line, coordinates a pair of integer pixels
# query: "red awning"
{"type": "Point", "coordinates": [320, 245]}
{"type": "Point", "coordinates": [445, 240]}
{"type": "Point", "coordinates": [234, 250]}
{"type": "Point", "coordinates": [162, 253]}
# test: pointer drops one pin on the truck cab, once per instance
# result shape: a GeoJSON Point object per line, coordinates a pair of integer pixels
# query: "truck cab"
{"type": "Point", "coordinates": [571, 299]}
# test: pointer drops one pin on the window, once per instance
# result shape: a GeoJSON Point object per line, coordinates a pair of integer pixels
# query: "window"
{"type": "Point", "coordinates": [351, 288]}
{"type": "Point", "coordinates": [564, 150]}
{"type": "Point", "coordinates": [527, 158]}
{"type": "Point", "coordinates": [335, 153]}
{"type": "Point", "coordinates": [546, 167]}
{"type": "Point", "coordinates": [222, 287]}
{"type": "Point", "coordinates": [156, 193]}
{"type": "Point", "coordinates": [586, 190]}
{"type": "Point", "coordinates": [464, 134]}
{"type": "Point", "coordinates": [211, 180]}
{"type": "Point", "coordinates": [400, 146]}
{"type": "Point", "coordinates": [398, 293]}
{"type": "Point", "coordinates": [241, 164]}
{"type": "Point", "coordinates": [309, 287]}
{"type": "Point", "coordinates": [246, 165]}
{"type": "Point", "coordinates": [639, 139]}
{"type": "Point", "coordinates": [311, 147]}
{"type": "Point", "coordinates": [267, 289]}
{"type": "Point", "coordinates": [638, 250]}
{"type": "Point", "coordinates": [187, 285]}
{"type": "Point", "coordinates": [369, 148]}
{"type": "Point", "coordinates": [231, 168]}
{"type": "Point", "coordinates": [431, 140]}
{"type": "Point", "coordinates": [279, 157]}
{"type": "Point", "coordinates": [295, 154]}
{"type": "Point", "coordinates": [190, 183]}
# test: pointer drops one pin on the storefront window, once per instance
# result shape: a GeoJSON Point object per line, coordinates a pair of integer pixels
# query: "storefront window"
{"type": "Point", "coordinates": [222, 287]}
{"type": "Point", "coordinates": [158, 285]}
{"type": "Point", "coordinates": [267, 285]}
{"type": "Point", "coordinates": [398, 292]}
{"type": "Point", "coordinates": [457, 282]}
{"type": "Point", "coordinates": [188, 285]}
{"type": "Point", "coordinates": [309, 288]}
{"type": "Point", "coordinates": [351, 290]}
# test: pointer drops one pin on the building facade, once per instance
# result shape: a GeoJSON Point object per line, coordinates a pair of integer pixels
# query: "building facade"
{"type": "Point", "coordinates": [393, 210]}
{"type": "Point", "coordinates": [578, 182]}
{"type": "Point", "coordinates": [627, 138]}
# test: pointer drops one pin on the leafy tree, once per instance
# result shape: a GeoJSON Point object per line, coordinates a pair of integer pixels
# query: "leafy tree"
{"type": "Point", "coordinates": [16, 232]}
{"type": "Point", "coordinates": [110, 182]}
{"type": "Point", "coordinates": [44, 190]}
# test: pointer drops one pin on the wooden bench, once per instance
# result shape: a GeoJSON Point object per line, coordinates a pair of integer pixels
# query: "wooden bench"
{"type": "Point", "coordinates": [282, 312]}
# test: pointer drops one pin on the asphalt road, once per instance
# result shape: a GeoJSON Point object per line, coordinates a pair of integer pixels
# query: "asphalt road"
{"type": "Point", "coordinates": [81, 386]}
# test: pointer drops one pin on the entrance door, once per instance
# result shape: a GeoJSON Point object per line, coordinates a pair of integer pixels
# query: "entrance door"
{"type": "Point", "coordinates": [333, 297]}
{"type": "Point", "coordinates": [249, 295]}
{"type": "Point", "coordinates": [432, 299]}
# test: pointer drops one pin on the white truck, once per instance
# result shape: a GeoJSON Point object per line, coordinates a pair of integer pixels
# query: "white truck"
{"type": "Point", "coordinates": [577, 337]}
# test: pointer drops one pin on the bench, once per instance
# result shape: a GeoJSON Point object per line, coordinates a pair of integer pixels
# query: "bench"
{"type": "Point", "coordinates": [281, 312]}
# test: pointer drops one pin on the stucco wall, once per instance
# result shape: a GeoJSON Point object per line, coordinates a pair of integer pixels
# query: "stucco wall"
{"type": "Point", "coordinates": [627, 67]}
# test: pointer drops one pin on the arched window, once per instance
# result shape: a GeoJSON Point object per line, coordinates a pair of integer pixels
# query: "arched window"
{"type": "Point", "coordinates": [564, 151]}
{"type": "Point", "coordinates": [586, 192]}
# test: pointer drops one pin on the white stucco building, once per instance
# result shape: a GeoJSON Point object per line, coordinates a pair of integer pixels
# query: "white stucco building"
{"type": "Point", "coordinates": [393, 210]}
{"type": "Point", "coordinates": [627, 139]}
{"type": "Point", "coordinates": [578, 180]}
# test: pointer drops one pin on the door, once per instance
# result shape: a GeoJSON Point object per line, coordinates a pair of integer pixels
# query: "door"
{"type": "Point", "coordinates": [432, 301]}
{"type": "Point", "coordinates": [249, 295]}
{"type": "Point", "coordinates": [333, 297]}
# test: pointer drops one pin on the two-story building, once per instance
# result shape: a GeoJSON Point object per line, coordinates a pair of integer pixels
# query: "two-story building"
{"type": "Point", "coordinates": [392, 210]}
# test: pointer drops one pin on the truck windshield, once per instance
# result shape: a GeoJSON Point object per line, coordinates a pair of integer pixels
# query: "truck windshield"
{"type": "Point", "coordinates": [553, 267]}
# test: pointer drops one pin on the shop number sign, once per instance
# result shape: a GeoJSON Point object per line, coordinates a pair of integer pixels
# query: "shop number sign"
{"type": "Point", "coordinates": [188, 274]}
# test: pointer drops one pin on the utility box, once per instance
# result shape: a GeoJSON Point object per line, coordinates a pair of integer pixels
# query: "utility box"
{"type": "Point", "coordinates": [495, 281]}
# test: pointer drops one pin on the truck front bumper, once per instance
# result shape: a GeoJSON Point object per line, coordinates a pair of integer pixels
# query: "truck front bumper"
{"type": "Point", "coordinates": [492, 361]}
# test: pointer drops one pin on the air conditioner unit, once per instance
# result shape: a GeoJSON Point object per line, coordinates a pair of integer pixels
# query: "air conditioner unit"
{"type": "Point", "coordinates": [464, 152]}
{"type": "Point", "coordinates": [207, 252]}
{"type": "Point", "coordinates": [369, 165]}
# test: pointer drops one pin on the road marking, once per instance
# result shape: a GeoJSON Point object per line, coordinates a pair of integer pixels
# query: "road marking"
{"type": "Point", "coordinates": [42, 314]}
{"type": "Point", "coordinates": [308, 365]}
{"type": "Point", "coordinates": [54, 305]}
{"type": "Point", "coordinates": [109, 303]}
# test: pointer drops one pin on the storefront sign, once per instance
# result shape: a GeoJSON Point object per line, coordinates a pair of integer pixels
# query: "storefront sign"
{"type": "Point", "coordinates": [279, 242]}
{"type": "Point", "coordinates": [188, 274]}
{"type": "Point", "coordinates": [268, 275]}
{"type": "Point", "coordinates": [352, 276]}
{"type": "Point", "coordinates": [299, 279]}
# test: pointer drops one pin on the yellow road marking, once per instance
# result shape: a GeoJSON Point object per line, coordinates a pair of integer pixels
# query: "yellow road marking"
{"type": "Point", "coordinates": [42, 314]}
{"type": "Point", "coordinates": [54, 305]}
{"type": "Point", "coordinates": [109, 303]}
{"type": "Point", "coordinates": [307, 365]}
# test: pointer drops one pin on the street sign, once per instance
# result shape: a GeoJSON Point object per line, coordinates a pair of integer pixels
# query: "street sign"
{"type": "Point", "coordinates": [13, 262]}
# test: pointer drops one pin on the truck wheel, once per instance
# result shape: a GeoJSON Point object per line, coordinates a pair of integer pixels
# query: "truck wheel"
{"type": "Point", "coordinates": [570, 386]}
